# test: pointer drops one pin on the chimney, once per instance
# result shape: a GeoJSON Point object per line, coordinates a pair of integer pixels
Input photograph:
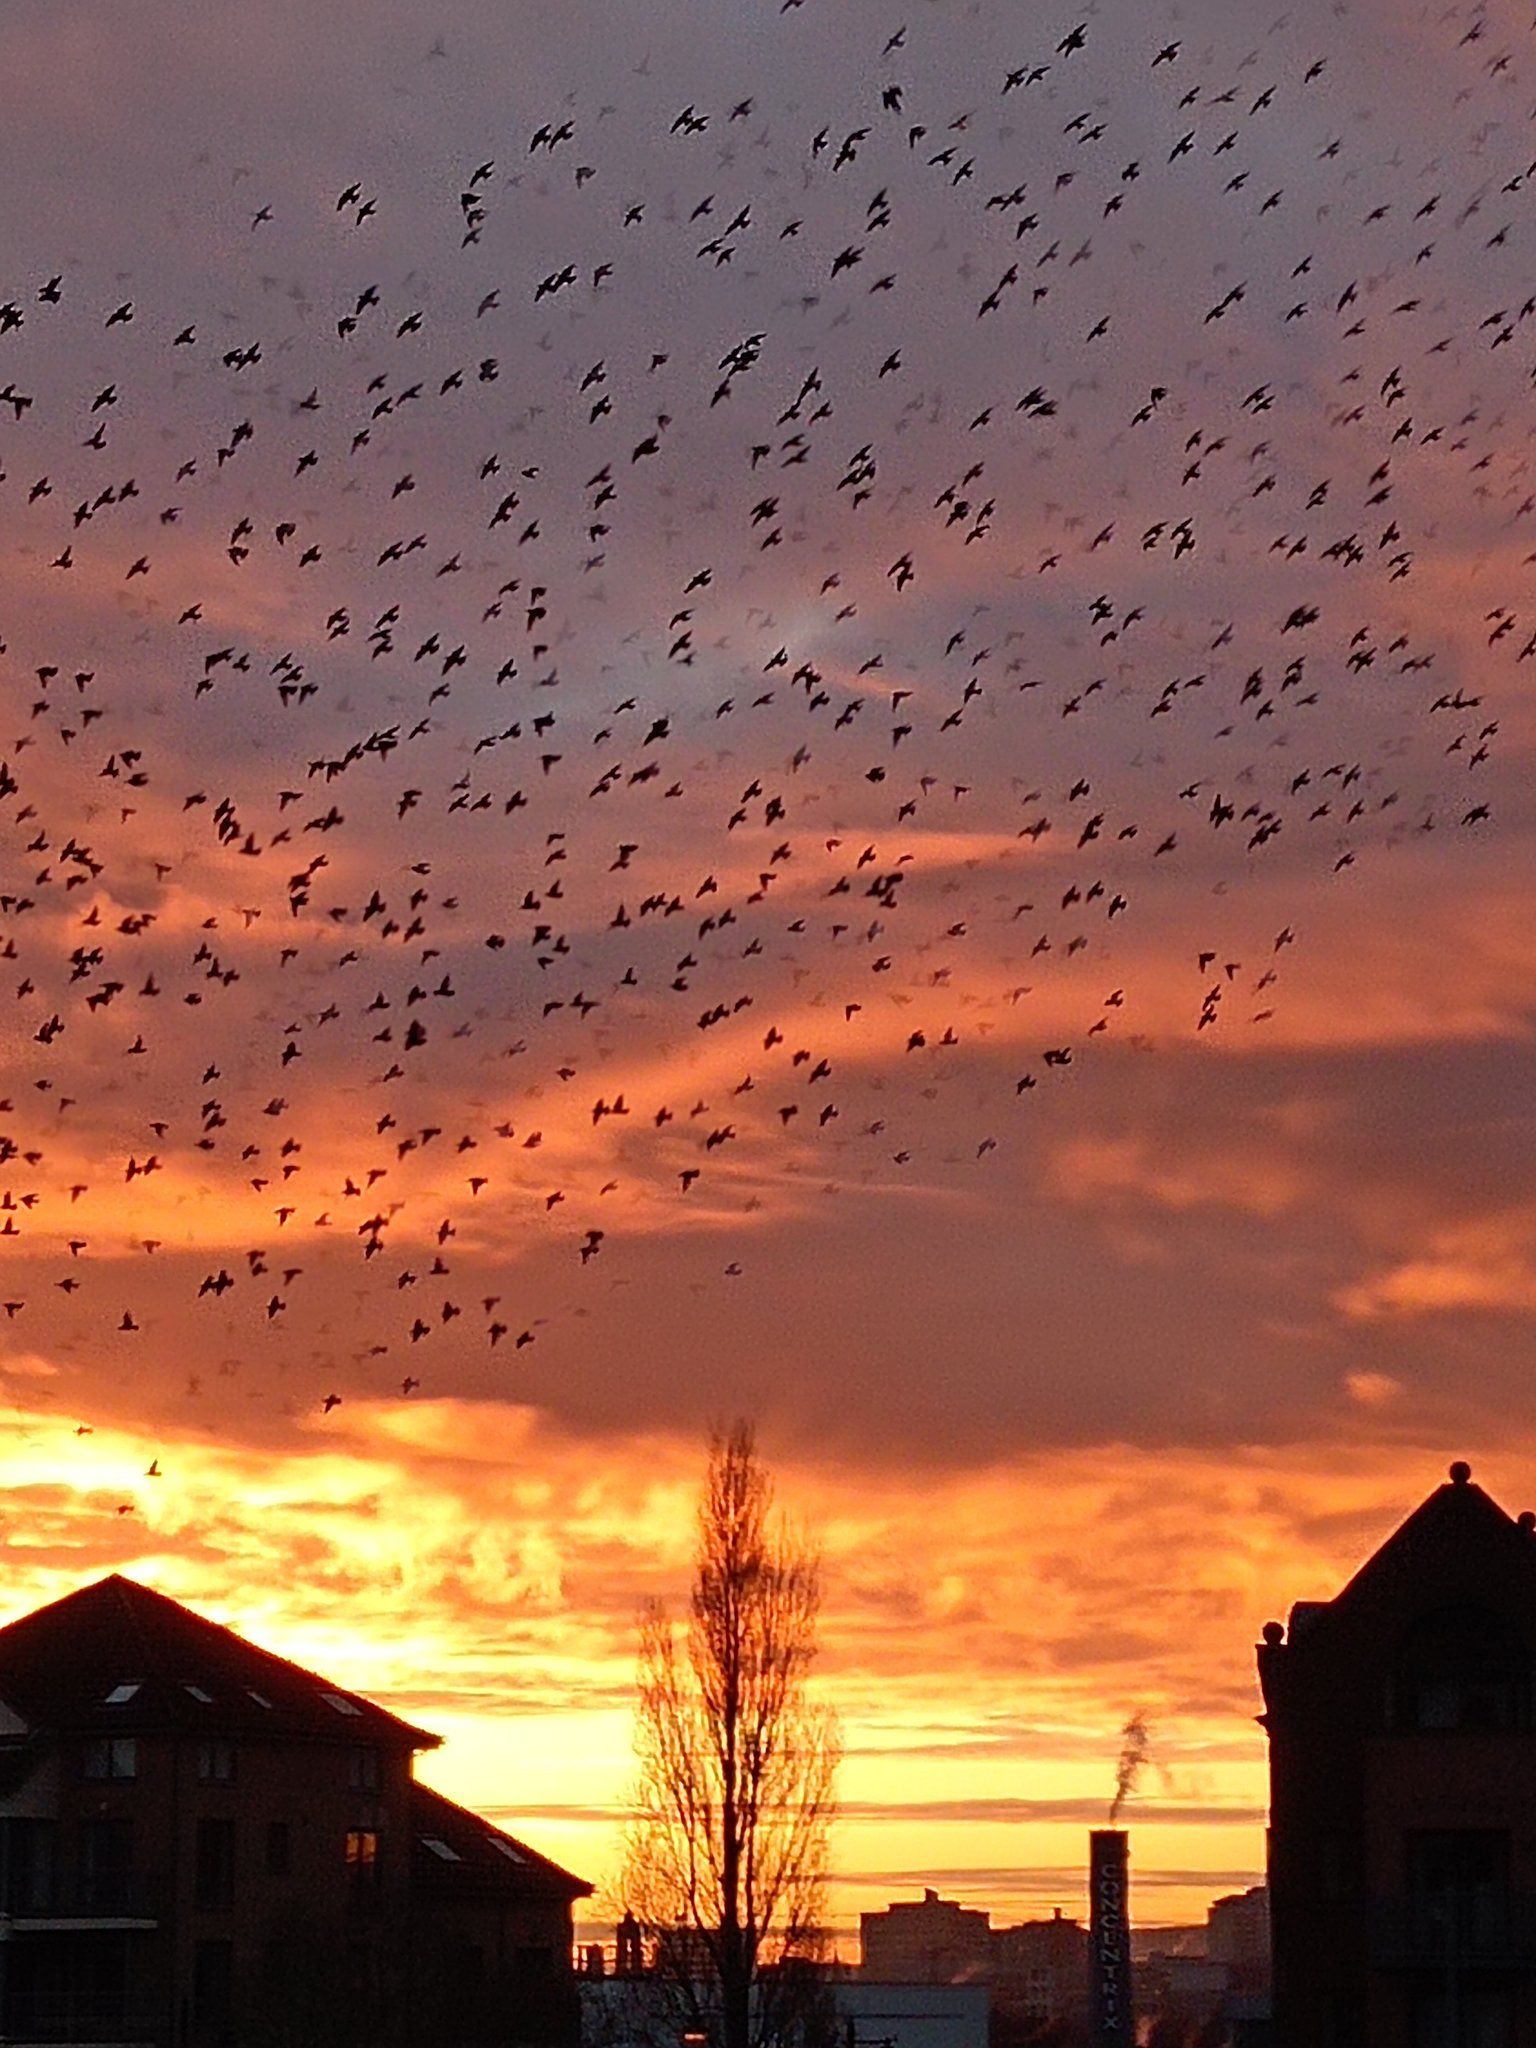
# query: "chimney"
{"type": "Point", "coordinates": [1109, 1946]}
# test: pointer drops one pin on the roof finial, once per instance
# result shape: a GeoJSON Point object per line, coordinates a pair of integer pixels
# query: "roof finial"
{"type": "Point", "coordinates": [1461, 1473]}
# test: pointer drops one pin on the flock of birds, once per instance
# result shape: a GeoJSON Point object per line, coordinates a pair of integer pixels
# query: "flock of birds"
{"type": "Point", "coordinates": [718, 647]}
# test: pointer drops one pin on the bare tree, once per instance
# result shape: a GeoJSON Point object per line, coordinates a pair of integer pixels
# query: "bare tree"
{"type": "Point", "coordinates": [728, 1843]}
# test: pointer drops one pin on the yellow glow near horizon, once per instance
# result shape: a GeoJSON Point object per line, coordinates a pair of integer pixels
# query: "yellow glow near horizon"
{"type": "Point", "coordinates": [980, 1687]}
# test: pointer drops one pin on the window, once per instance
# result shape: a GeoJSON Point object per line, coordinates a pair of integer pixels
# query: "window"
{"type": "Point", "coordinates": [340, 1704]}
{"type": "Point", "coordinates": [216, 1762]}
{"type": "Point", "coordinates": [508, 1849]}
{"type": "Point", "coordinates": [279, 1848]}
{"type": "Point", "coordinates": [260, 1698]}
{"type": "Point", "coordinates": [1458, 1893]}
{"type": "Point", "coordinates": [120, 1695]}
{"type": "Point", "coordinates": [26, 1865]}
{"type": "Point", "coordinates": [1460, 1671]}
{"type": "Point", "coordinates": [111, 1756]}
{"type": "Point", "coordinates": [196, 1692]}
{"type": "Point", "coordinates": [106, 1861]}
{"type": "Point", "coordinates": [363, 1770]}
{"type": "Point", "coordinates": [1478, 2017]}
{"type": "Point", "coordinates": [213, 1984]}
{"type": "Point", "coordinates": [215, 1869]}
{"type": "Point", "coordinates": [441, 1848]}
{"type": "Point", "coordinates": [98, 1987]}
{"type": "Point", "coordinates": [362, 1855]}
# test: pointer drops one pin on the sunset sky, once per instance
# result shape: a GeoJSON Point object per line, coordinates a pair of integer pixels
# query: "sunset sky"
{"type": "Point", "coordinates": [560, 816]}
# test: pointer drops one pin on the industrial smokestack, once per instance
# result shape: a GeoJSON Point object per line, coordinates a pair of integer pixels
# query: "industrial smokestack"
{"type": "Point", "coordinates": [1109, 1945]}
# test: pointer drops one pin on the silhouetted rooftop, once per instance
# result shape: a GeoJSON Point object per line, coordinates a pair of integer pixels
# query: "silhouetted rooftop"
{"type": "Point", "coordinates": [452, 1846]}
{"type": "Point", "coordinates": [118, 1656]}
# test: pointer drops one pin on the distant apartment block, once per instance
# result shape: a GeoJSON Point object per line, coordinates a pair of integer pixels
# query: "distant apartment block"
{"type": "Point", "coordinates": [1237, 1935]}
{"type": "Point", "coordinates": [1040, 1969]}
{"type": "Point", "coordinates": [926, 1941]}
{"type": "Point", "coordinates": [1036, 1973]}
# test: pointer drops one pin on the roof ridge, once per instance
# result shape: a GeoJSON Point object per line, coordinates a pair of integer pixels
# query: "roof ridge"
{"type": "Point", "coordinates": [174, 1647]}
{"type": "Point", "coordinates": [120, 1583]}
{"type": "Point", "coordinates": [1459, 1495]}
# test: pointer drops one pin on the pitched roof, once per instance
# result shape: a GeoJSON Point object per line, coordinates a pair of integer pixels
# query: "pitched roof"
{"type": "Point", "coordinates": [1458, 1535]}
{"type": "Point", "coordinates": [119, 1657]}
{"type": "Point", "coordinates": [452, 1847]}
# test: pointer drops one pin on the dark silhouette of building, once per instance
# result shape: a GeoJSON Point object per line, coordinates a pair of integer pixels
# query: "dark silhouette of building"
{"type": "Point", "coordinates": [1237, 1934]}
{"type": "Point", "coordinates": [1402, 1853]}
{"type": "Point", "coordinates": [926, 1941]}
{"type": "Point", "coordinates": [205, 1846]}
{"type": "Point", "coordinates": [1040, 1970]}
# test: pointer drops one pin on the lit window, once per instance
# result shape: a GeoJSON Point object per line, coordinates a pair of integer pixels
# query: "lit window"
{"type": "Point", "coordinates": [441, 1849]}
{"type": "Point", "coordinates": [362, 1854]}
{"type": "Point", "coordinates": [216, 1762]}
{"type": "Point", "coordinates": [113, 1756]}
{"type": "Point", "coordinates": [120, 1695]}
{"type": "Point", "coordinates": [341, 1704]}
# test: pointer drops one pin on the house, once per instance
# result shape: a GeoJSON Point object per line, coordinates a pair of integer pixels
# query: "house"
{"type": "Point", "coordinates": [1402, 1740]}
{"type": "Point", "coordinates": [203, 1845]}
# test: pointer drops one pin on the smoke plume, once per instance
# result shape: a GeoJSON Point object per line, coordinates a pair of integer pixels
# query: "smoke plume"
{"type": "Point", "coordinates": [1135, 1743]}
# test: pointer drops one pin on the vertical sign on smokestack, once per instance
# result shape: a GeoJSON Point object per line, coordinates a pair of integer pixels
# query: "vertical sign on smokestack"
{"type": "Point", "coordinates": [1109, 1947]}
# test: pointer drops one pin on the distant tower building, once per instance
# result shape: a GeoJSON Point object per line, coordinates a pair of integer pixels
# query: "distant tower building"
{"type": "Point", "coordinates": [1402, 1848]}
{"type": "Point", "coordinates": [1237, 1934]}
{"type": "Point", "coordinates": [1040, 1970]}
{"type": "Point", "coordinates": [932, 1941]}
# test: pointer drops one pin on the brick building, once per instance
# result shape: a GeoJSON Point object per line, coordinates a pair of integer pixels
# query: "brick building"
{"type": "Point", "coordinates": [1402, 1857]}
{"type": "Point", "coordinates": [205, 1846]}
